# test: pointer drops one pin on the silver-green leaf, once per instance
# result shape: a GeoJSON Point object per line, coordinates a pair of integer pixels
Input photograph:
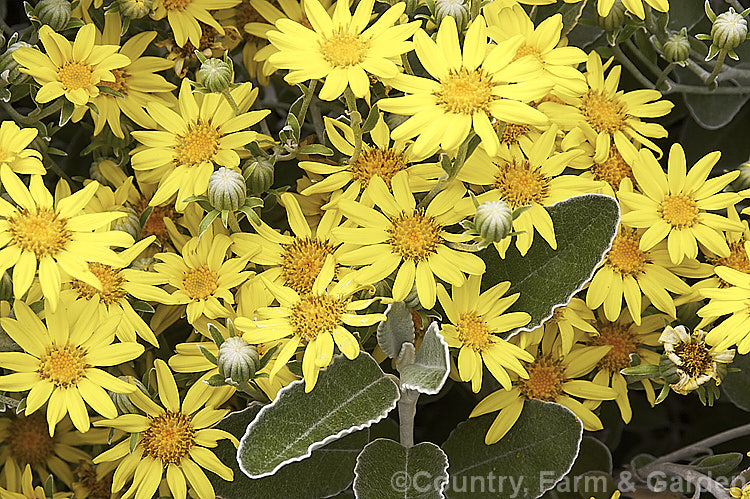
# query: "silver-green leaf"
{"type": "Point", "coordinates": [397, 329]}
{"type": "Point", "coordinates": [430, 369]}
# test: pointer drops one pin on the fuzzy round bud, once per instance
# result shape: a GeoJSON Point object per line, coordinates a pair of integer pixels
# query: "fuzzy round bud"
{"type": "Point", "coordinates": [216, 75]}
{"type": "Point", "coordinates": [122, 401]}
{"type": "Point", "coordinates": [129, 223]}
{"type": "Point", "coordinates": [238, 360]}
{"type": "Point", "coordinates": [146, 264]}
{"type": "Point", "coordinates": [226, 189]}
{"type": "Point", "coordinates": [493, 220]}
{"type": "Point", "coordinates": [457, 9]}
{"type": "Point", "coordinates": [729, 30]}
{"type": "Point", "coordinates": [677, 47]}
{"type": "Point", "coordinates": [135, 9]}
{"type": "Point", "coordinates": [10, 69]}
{"type": "Point", "coordinates": [615, 19]}
{"type": "Point", "coordinates": [259, 176]}
{"type": "Point", "coordinates": [54, 13]}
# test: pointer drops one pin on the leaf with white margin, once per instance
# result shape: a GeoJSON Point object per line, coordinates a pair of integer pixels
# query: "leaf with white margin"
{"type": "Point", "coordinates": [397, 329]}
{"type": "Point", "coordinates": [349, 395]}
{"type": "Point", "coordinates": [431, 367]}
{"type": "Point", "coordinates": [388, 470]}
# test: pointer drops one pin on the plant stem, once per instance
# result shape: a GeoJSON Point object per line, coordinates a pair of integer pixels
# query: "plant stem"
{"type": "Point", "coordinates": [625, 61]}
{"type": "Point", "coordinates": [699, 480]}
{"type": "Point", "coordinates": [443, 181]}
{"type": "Point", "coordinates": [407, 65]}
{"type": "Point", "coordinates": [306, 101]}
{"type": "Point", "coordinates": [663, 75]}
{"type": "Point", "coordinates": [719, 63]}
{"type": "Point", "coordinates": [230, 100]}
{"type": "Point", "coordinates": [701, 445]}
{"type": "Point", "coordinates": [351, 104]}
{"type": "Point", "coordinates": [407, 409]}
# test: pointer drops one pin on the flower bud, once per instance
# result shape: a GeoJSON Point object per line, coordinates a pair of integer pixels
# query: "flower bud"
{"type": "Point", "coordinates": [729, 30]}
{"type": "Point", "coordinates": [493, 220]}
{"type": "Point", "coordinates": [216, 75]}
{"type": "Point", "coordinates": [457, 9]}
{"type": "Point", "coordinates": [743, 180]}
{"type": "Point", "coordinates": [130, 223]}
{"type": "Point", "coordinates": [135, 9]}
{"type": "Point", "coordinates": [238, 360]}
{"type": "Point", "coordinates": [615, 19]}
{"type": "Point", "coordinates": [6, 288]}
{"type": "Point", "coordinates": [259, 176]}
{"type": "Point", "coordinates": [10, 69]}
{"type": "Point", "coordinates": [122, 401]}
{"type": "Point", "coordinates": [145, 264]}
{"type": "Point", "coordinates": [677, 47]}
{"type": "Point", "coordinates": [226, 189]}
{"type": "Point", "coordinates": [54, 13]}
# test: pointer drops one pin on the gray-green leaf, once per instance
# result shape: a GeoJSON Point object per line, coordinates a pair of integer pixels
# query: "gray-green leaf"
{"type": "Point", "coordinates": [349, 395]}
{"type": "Point", "coordinates": [430, 369]}
{"type": "Point", "coordinates": [397, 329]}
{"type": "Point", "coordinates": [736, 385]}
{"type": "Point", "coordinates": [584, 228]}
{"type": "Point", "coordinates": [531, 457]}
{"type": "Point", "coordinates": [388, 470]}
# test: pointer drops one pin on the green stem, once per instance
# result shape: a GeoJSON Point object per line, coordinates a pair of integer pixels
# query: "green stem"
{"type": "Point", "coordinates": [663, 75]}
{"type": "Point", "coordinates": [351, 104]}
{"type": "Point", "coordinates": [407, 65]}
{"type": "Point", "coordinates": [233, 224]}
{"type": "Point", "coordinates": [711, 81]}
{"type": "Point", "coordinates": [443, 181]}
{"type": "Point", "coordinates": [407, 409]}
{"type": "Point", "coordinates": [625, 61]}
{"type": "Point", "coordinates": [34, 116]}
{"type": "Point", "coordinates": [306, 102]}
{"type": "Point", "coordinates": [692, 89]}
{"type": "Point", "coordinates": [475, 8]}
{"type": "Point", "coordinates": [230, 100]}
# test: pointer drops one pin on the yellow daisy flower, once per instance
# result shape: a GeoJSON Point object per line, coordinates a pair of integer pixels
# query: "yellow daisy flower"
{"type": "Point", "coordinates": [552, 378]}
{"type": "Point", "coordinates": [559, 62]}
{"type": "Point", "coordinates": [676, 205]}
{"type": "Point", "coordinates": [202, 275]}
{"type": "Point", "coordinates": [59, 362]}
{"type": "Point", "coordinates": [316, 320]}
{"type": "Point", "coordinates": [625, 339]}
{"type": "Point", "coordinates": [54, 236]}
{"type": "Point", "coordinates": [635, 6]}
{"type": "Point", "coordinates": [475, 320]}
{"type": "Point", "coordinates": [73, 70]}
{"type": "Point", "coordinates": [24, 488]}
{"type": "Point", "coordinates": [606, 116]}
{"type": "Point", "coordinates": [136, 81]}
{"type": "Point", "coordinates": [202, 134]}
{"type": "Point", "coordinates": [240, 16]}
{"type": "Point", "coordinates": [212, 44]}
{"type": "Point", "coordinates": [174, 439]}
{"type": "Point", "coordinates": [732, 301]}
{"type": "Point", "coordinates": [406, 238]}
{"type": "Point", "coordinates": [183, 17]}
{"type": "Point", "coordinates": [26, 442]}
{"type": "Point", "coordinates": [383, 158]}
{"type": "Point", "coordinates": [740, 493]}
{"type": "Point", "coordinates": [533, 180]}
{"type": "Point", "coordinates": [93, 481]}
{"type": "Point", "coordinates": [13, 152]}
{"type": "Point", "coordinates": [293, 260]}
{"type": "Point", "coordinates": [569, 323]}
{"type": "Point", "coordinates": [339, 49]}
{"type": "Point", "coordinates": [470, 90]}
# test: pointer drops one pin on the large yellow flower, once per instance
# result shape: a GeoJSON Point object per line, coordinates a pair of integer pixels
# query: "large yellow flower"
{"type": "Point", "coordinates": [73, 70]}
{"type": "Point", "coordinates": [54, 235]}
{"type": "Point", "coordinates": [13, 152]}
{"type": "Point", "coordinates": [59, 361]}
{"type": "Point", "coordinates": [676, 205]}
{"type": "Point", "coordinates": [182, 156]}
{"type": "Point", "coordinates": [406, 238]}
{"type": "Point", "coordinates": [732, 301]}
{"type": "Point", "coordinates": [183, 17]}
{"type": "Point", "coordinates": [339, 48]}
{"type": "Point", "coordinates": [136, 81]}
{"type": "Point", "coordinates": [552, 378]}
{"type": "Point", "coordinates": [315, 320]}
{"type": "Point", "coordinates": [605, 115]}
{"type": "Point", "coordinates": [475, 320]}
{"type": "Point", "coordinates": [471, 90]}
{"type": "Point", "coordinates": [174, 439]}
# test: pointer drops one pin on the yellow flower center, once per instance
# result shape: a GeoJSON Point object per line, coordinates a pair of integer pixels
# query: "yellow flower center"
{"type": "Point", "coordinates": [546, 377]}
{"type": "Point", "coordinates": [41, 232]}
{"type": "Point", "coordinates": [520, 184]}
{"type": "Point", "coordinates": [613, 170]}
{"type": "Point", "coordinates": [414, 236]}
{"type": "Point", "coordinates": [119, 84]}
{"type": "Point", "coordinates": [625, 256]}
{"type": "Point", "coordinates": [3, 156]}
{"type": "Point", "coordinates": [95, 485]}
{"type": "Point", "coordinates": [602, 112]}
{"type": "Point", "coordinates": [316, 314]}
{"type": "Point", "coordinates": [382, 162]}
{"type": "Point", "coordinates": [343, 49]}
{"type": "Point", "coordinates": [696, 359]}
{"type": "Point", "coordinates": [679, 210]}
{"type": "Point", "coordinates": [525, 50]}
{"type": "Point", "coordinates": [737, 260]}
{"type": "Point", "coordinates": [29, 441]}
{"type": "Point", "coordinates": [199, 144]}
{"type": "Point", "coordinates": [473, 332]}
{"type": "Point", "coordinates": [301, 262]}
{"type": "Point", "coordinates": [246, 13]}
{"type": "Point", "coordinates": [75, 75]}
{"type": "Point", "coordinates": [622, 341]}
{"type": "Point", "coordinates": [111, 280]}
{"type": "Point", "coordinates": [512, 132]}
{"type": "Point", "coordinates": [169, 437]}
{"type": "Point", "coordinates": [155, 224]}
{"type": "Point", "coordinates": [200, 283]}
{"type": "Point", "coordinates": [63, 366]}
{"type": "Point", "coordinates": [178, 5]}
{"type": "Point", "coordinates": [465, 92]}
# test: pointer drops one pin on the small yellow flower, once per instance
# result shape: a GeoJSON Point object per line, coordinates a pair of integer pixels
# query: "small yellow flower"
{"type": "Point", "coordinates": [13, 152]}
{"type": "Point", "coordinates": [743, 493]}
{"type": "Point", "coordinates": [183, 17]}
{"type": "Point", "coordinates": [23, 488]}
